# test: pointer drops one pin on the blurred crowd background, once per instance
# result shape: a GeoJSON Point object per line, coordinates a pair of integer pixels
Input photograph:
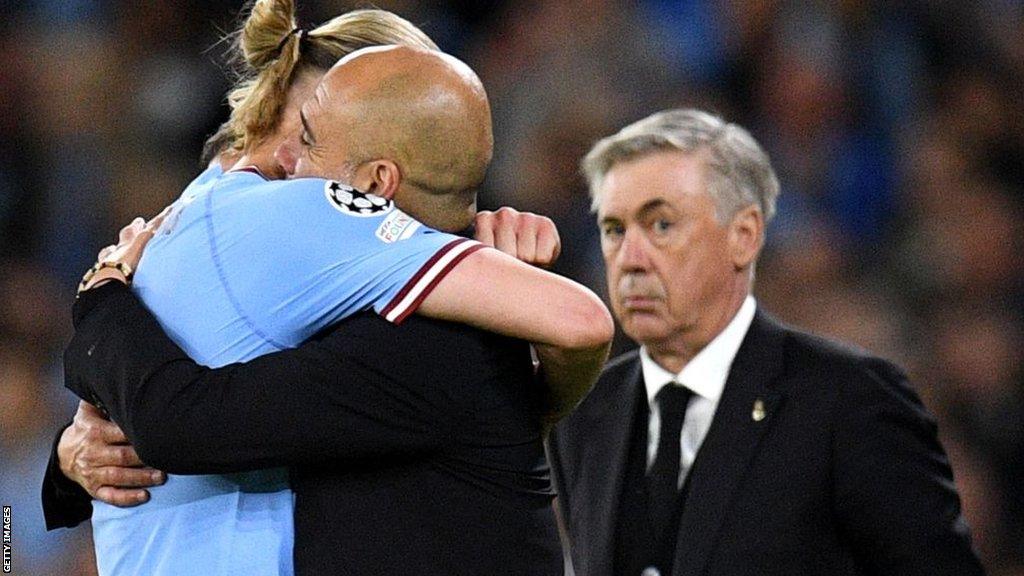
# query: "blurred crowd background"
{"type": "Point", "coordinates": [897, 130]}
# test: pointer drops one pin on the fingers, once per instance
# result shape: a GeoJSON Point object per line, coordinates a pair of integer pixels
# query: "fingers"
{"type": "Point", "coordinates": [113, 474]}
{"type": "Point", "coordinates": [526, 238]}
{"type": "Point", "coordinates": [483, 226]}
{"type": "Point", "coordinates": [154, 223]}
{"type": "Point", "coordinates": [95, 427]}
{"type": "Point", "coordinates": [133, 239]}
{"type": "Point", "coordinates": [105, 252]}
{"type": "Point", "coordinates": [123, 455]}
{"type": "Point", "coordinates": [107, 432]}
{"type": "Point", "coordinates": [133, 251]}
{"type": "Point", "coordinates": [549, 245]}
{"type": "Point", "coordinates": [130, 231]}
{"type": "Point", "coordinates": [93, 453]}
{"type": "Point", "coordinates": [100, 442]}
{"type": "Point", "coordinates": [121, 497]}
{"type": "Point", "coordinates": [504, 229]}
{"type": "Point", "coordinates": [119, 485]}
{"type": "Point", "coordinates": [115, 252]}
{"type": "Point", "coordinates": [529, 237]}
{"type": "Point", "coordinates": [121, 477]}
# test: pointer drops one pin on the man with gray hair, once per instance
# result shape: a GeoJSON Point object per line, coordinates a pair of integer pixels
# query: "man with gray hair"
{"type": "Point", "coordinates": [729, 444]}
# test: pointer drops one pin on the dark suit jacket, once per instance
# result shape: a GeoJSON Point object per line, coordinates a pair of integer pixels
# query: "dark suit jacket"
{"type": "Point", "coordinates": [844, 475]}
{"type": "Point", "coordinates": [415, 449]}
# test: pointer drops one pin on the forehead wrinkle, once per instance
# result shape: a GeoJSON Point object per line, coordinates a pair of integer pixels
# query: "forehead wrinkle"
{"type": "Point", "coordinates": [644, 209]}
{"type": "Point", "coordinates": [651, 206]}
{"type": "Point", "coordinates": [317, 101]}
{"type": "Point", "coordinates": [314, 106]}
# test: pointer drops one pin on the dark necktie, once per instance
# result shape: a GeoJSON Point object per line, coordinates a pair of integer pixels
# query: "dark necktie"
{"type": "Point", "coordinates": [663, 478]}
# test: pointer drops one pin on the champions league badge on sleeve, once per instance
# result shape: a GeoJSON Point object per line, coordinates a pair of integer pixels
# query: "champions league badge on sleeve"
{"type": "Point", "coordinates": [350, 201]}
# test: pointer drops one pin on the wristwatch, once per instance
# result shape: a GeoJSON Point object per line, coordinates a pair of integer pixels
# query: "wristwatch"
{"type": "Point", "coordinates": [121, 267]}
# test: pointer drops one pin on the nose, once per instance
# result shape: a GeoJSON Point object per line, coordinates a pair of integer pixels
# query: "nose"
{"type": "Point", "coordinates": [632, 254]}
{"type": "Point", "coordinates": [286, 156]}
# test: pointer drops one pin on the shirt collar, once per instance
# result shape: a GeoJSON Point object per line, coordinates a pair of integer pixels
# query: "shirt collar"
{"type": "Point", "coordinates": [252, 169]}
{"type": "Point", "coordinates": [706, 373]}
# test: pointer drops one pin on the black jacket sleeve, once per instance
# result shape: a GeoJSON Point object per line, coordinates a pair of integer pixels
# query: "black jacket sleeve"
{"type": "Point", "coordinates": [336, 397]}
{"type": "Point", "coordinates": [65, 504]}
{"type": "Point", "coordinates": [895, 498]}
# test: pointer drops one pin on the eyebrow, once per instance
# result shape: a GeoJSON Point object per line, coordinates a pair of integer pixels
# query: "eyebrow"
{"type": "Point", "coordinates": [305, 126]}
{"type": "Point", "coordinates": [644, 210]}
{"type": "Point", "coordinates": [651, 206]}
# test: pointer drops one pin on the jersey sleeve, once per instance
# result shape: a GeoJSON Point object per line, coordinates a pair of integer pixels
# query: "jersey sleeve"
{"type": "Point", "coordinates": [326, 251]}
{"type": "Point", "coordinates": [422, 280]}
{"type": "Point", "coordinates": [402, 259]}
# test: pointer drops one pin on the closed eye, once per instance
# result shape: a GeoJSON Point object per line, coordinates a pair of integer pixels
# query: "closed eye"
{"type": "Point", "coordinates": [306, 135]}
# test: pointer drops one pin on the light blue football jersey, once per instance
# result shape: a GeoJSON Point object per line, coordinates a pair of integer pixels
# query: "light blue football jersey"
{"type": "Point", "coordinates": [242, 267]}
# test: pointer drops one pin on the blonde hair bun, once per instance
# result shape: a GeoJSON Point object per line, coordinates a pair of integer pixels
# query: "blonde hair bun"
{"type": "Point", "coordinates": [268, 56]}
{"type": "Point", "coordinates": [266, 31]}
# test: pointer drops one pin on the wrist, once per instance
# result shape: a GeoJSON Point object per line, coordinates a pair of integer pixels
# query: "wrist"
{"type": "Point", "coordinates": [104, 272]}
{"type": "Point", "coordinates": [104, 276]}
{"type": "Point", "coordinates": [63, 454]}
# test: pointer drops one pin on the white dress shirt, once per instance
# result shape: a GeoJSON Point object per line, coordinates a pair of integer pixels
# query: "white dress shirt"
{"type": "Point", "coordinates": [705, 376]}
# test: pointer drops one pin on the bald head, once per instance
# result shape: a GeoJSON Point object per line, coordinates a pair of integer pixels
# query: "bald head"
{"type": "Point", "coordinates": [423, 109]}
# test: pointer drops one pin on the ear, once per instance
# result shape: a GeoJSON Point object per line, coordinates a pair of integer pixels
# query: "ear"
{"type": "Point", "coordinates": [379, 177]}
{"type": "Point", "coordinates": [746, 236]}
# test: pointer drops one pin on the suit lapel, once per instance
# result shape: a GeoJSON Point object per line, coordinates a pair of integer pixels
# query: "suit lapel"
{"type": "Point", "coordinates": [745, 412]}
{"type": "Point", "coordinates": [606, 461]}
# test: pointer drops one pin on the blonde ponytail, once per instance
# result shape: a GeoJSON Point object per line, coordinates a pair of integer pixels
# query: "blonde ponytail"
{"type": "Point", "coordinates": [265, 32]}
{"type": "Point", "coordinates": [269, 52]}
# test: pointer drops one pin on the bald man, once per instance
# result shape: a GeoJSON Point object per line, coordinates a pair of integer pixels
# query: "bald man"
{"type": "Point", "coordinates": [412, 450]}
{"type": "Point", "coordinates": [416, 122]}
{"type": "Point", "coordinates": [414, 126]}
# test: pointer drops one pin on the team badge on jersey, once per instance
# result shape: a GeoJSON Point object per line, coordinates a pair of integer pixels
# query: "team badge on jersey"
{"type": "Point", "coordinates": [350, 201]}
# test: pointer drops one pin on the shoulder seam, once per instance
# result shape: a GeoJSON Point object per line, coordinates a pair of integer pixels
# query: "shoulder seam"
{"type": "Point", "coordinates": [222, 277]}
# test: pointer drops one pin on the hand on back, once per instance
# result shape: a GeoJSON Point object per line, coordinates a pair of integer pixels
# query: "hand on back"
{"type": "Point", "coordinates": [94, 453]}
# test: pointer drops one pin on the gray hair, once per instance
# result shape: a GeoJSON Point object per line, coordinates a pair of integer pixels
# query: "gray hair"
{"type": "Point", "coordinates": [739, 174]}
